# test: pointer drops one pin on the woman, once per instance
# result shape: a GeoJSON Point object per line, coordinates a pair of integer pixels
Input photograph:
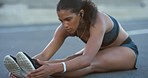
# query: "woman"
{"type": "Point", "coordinates": [108, 47]}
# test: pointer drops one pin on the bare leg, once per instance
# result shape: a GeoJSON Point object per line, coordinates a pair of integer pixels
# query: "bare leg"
{"type": "Point", "coordinates": [114, 59]}
{"type": "Point", "coordinates": [74, 74]}
{"type": "Point", "coordinates": [111, 59]}
{"type": "Point", "coordinates": [79, 53]}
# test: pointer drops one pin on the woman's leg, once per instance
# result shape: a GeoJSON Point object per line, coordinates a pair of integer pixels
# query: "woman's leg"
{"type": "Point", "coordinates": [114, 59]}
{"type": "Point", "coordinates": [79, 53]}
{"type": "Point", "coordinates": [110, 59]}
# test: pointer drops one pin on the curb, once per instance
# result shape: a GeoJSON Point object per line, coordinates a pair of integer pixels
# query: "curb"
{"type": "Point", "coordinates": [21, 15]}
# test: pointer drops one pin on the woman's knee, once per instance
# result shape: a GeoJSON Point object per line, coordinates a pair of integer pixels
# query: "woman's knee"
{"type": "Point", "coordinates": [99, 65]}
{"type": "Point", "coordinates": [107, 64]}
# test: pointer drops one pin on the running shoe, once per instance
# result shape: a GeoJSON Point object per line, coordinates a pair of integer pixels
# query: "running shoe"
{"type": "Point", "coordinates": [13, 67]}
{"type": "Point", "coordinates": [26, 62]}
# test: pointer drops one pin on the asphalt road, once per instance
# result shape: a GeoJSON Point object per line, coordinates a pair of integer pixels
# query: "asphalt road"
{"type": "Point", "coordinates": [32, 40]}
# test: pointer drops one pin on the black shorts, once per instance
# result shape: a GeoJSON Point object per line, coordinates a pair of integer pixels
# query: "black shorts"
{"type": "Point", "coordinates": [129, 43]}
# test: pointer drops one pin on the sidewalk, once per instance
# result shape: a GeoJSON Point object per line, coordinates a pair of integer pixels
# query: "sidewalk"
{"type": "Point", "coordinates": [20, 14]}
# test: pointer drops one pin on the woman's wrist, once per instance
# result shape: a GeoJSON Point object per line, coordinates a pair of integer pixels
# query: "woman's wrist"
{"type": "Point", "coordinates": [64, 67]}
{"type": "Point", "coordinates": [58, 67]}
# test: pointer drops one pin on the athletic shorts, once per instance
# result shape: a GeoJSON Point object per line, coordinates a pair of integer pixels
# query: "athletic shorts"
{"type": "Point", "coordinates": [129, 43]}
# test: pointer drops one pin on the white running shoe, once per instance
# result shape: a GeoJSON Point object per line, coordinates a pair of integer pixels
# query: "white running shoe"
{"type": "Point", "coordinates": [12, 66]}
{"type": "Point", "coordinates": [26, 62]}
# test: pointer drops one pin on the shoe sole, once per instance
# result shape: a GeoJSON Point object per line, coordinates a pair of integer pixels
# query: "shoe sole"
{"type": "Point", "coordinates": [24, 62]}
{"type": "Point", "coordinates": [12, 66]}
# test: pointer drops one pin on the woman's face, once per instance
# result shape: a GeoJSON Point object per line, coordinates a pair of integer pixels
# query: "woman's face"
{"type": "Point", "coordinates": [69, 20]}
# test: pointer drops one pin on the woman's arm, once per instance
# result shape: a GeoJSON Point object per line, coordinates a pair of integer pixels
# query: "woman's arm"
{"type": "Point", "coordinates": [90, 50]}
{"type": "Point", "coordinates": [56, 42]}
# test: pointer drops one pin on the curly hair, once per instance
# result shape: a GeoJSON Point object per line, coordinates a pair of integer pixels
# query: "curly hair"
{"type": "Point", "coordinates": [89, 7]}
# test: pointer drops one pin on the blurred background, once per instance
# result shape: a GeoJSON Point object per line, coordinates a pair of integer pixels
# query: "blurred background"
{"type": "Point", "coordinates": [28, 26]}
{"type": "Point", "coordinates": [26, 12]}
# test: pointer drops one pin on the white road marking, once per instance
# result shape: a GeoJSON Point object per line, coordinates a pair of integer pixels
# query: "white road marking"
{"type": "Point", "coordinates": [138, 32]}
{"type": "Point", "coordinates": [31, 29]}
{"type": "Point", "coordinates": [26, 29]}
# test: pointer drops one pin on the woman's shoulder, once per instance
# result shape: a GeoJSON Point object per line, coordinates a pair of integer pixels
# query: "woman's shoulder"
{"type": "Point", "coordinates": [104, 21]}
{"type": "Point", "coordinates": [60, 31]}
{"type": "Point", "coordinates": [100, 21]}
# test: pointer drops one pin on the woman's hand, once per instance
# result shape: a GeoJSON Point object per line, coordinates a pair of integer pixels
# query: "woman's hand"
{"type": "Point", "coordinates": [12, 76]}
{"type": "Point", "coordinates": [42, 72]}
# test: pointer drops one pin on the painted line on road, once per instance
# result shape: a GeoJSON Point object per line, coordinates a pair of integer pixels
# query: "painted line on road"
{"type": "Point", "coordinates": [26, 29]}
{"type": "Point", "coordinates": [31, 29]}
{"type": "Point", "coordinates": [138, 32]}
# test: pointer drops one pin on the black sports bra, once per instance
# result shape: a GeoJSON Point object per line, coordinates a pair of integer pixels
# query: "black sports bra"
{"type": "Point", "coordinates": [110, 36]}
